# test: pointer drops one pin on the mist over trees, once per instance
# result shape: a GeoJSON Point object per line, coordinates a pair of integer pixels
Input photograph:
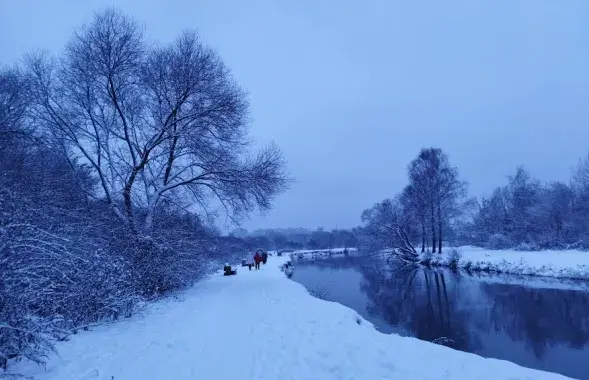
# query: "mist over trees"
{"type": "Point", "coordinates": [434, 208]}
{"type": "Point", "coordinates": [292, 238]}
{"type": "Point", "coordinates": [111, 157]}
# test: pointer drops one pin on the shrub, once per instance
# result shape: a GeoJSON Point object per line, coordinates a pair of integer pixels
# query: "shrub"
{"type": "Point", "coordinates": [454, 258]}
{"type": "Point", "coordinates": [581, 245]}
{"type": "Point", "coordinates": [426, 258]}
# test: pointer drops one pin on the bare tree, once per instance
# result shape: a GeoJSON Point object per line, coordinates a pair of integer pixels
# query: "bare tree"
{"type": "Point", "coordinates": [580, 187]}
{"type": "Point", "coordinates": [14, 101]}
{"type": "Point", "coordinates": [384, 226]}
{"type": "Point", "coordinates": [450, 193]}
{"type": "Point", "coordinates": [491, 216]}
{"type": "Point", "coordinates": [580, 176]}
{"type": "Point", "coordinates": [532, 215]}
{"type": "Point", "coordinates": [435, 191]}
{"type": "Point", "coordinates": [523, 200]}
{"type": "Point", "coordinates": [414, 202]}
{"type": "Point", "coordinates": [422, 176]}
{"type": "Point", "coordinates": [154, 123]}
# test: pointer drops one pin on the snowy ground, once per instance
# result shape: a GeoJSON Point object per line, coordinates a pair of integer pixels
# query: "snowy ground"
{"type": "Point", "coordinates": [530, 281]}
{"type": "Point", "coordinates": [314, 254]}
{"type": "Point", "coordinates": [562, 264]}
{"type": "Point", "coordinates": [259, 325]}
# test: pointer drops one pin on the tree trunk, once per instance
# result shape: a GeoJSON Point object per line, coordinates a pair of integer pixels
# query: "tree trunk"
{"type": "Point", "coordinates": [128, 207]}
{"type": "Point", "coordinates": [422, 237]}
{"type": "Point", "coordinates": [433, 222]}
{"type": "Point", "coordinates": [439, 228]}
{"type": "Point", "coordinates": [148, 221]}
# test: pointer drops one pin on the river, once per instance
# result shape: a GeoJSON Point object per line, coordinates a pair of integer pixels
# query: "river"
{"type": "Point", "coordinates": [534, 322]}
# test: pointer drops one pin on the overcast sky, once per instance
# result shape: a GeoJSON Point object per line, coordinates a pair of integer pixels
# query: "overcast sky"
{"type": "Point", "coordinates": [351, 90]}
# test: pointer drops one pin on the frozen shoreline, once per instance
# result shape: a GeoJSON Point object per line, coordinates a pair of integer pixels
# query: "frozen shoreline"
{"type": "Point", "coordinates": [568, 264]}
{"type": "Point", "coordinates": [259, 325]}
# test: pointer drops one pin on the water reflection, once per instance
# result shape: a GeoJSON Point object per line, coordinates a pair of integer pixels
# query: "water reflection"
{"type": "Point", "coordinates": [421, 301]}
{"type": "Point", "coordinates": [540, 318]}
{"type": "Point", "coordinates": [492, 316]}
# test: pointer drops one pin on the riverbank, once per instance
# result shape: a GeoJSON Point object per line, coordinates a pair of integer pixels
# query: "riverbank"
{"type": "Point", "coordinates": [318, 254]}
{"type": "Point", "coordinates": [258, 325]}
{"type": "Point", "coordinates": [569, 264]}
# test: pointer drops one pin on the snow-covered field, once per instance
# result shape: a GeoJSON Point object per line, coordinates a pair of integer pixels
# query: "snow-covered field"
{"type": "Point", "coordinates": [563, 264]}
{"type": "Point", "coordinates": [259, 325]}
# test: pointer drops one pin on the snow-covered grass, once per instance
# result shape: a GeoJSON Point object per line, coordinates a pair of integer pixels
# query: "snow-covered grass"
{"type": "Point", "coordinates": [563, 264]}
{"type": "Point", "coordinates": [259, 325]}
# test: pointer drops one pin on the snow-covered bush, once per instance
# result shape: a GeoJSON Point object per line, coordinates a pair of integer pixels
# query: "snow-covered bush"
{"type": "Point", "coordinates": [51, 284]}
{"type": "Point", "coordinates": [58, 279]}
{"type": "Point", "coordinates": [454, 258]}
{"type": "Point", "coordinates": [581, 245]}
{"type": "Point", "coordinates": [160, 266]}
{"type": "Point", "coordinates": [499, 241]}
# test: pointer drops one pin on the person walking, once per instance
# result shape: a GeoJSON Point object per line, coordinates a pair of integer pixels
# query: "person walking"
{"type": "Point", "coordinates": [257, 260]}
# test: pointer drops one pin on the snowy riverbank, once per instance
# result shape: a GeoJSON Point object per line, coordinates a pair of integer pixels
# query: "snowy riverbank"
{"type": "Point", "coordinates": [569, 264]}
{"type": "Point", "coordinates": [316, 254]}
{"type": "Point", "coordinates": [258, 325]}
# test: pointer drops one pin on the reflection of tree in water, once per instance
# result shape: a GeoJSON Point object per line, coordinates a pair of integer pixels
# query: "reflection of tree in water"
{"type": "Point", "coordinates": [540, 317]}
{"type": "Point", "coordinates": [421, 301]}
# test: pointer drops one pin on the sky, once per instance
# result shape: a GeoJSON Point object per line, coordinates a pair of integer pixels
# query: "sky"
{"type": "Point", "coordinates": [352, 90]}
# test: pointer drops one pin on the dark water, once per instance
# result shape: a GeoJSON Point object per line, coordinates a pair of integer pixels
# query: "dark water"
{"type": "Point", "coordinates": [534, 322]}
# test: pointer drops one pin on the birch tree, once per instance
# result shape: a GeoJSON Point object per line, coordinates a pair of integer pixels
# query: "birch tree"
{"type": "Point", "coordinates": [435, 191]}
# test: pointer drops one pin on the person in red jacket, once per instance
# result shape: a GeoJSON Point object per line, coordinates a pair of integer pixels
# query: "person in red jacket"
{"type": "Point", "coordinates": [257, 260]}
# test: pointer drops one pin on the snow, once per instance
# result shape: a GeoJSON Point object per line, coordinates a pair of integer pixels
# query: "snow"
{"type": "Point", "coordinates": [259, 325]}
{"type": "Point", "coordinates": [535, 282]}
{"type": "Point", "coordinates": [314, 254]}
{"type": "Point", "coordinates": [563, 264]}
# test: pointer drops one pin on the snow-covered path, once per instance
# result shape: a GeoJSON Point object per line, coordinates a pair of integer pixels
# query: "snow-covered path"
{"type": "Point", "coordinates": [259, 325]}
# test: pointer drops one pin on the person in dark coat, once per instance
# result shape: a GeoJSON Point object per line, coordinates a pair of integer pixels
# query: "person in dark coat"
{"type": "Point", "coordinates": [264, 257]}
{"type": "Point", "coordinates": [227, 271]}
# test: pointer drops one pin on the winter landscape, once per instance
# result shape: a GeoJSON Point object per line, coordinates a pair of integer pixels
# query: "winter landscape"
{"type": "Point", "coordinates": [163, 175]}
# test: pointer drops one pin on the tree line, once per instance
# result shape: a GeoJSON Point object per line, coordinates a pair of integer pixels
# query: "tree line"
{"type": "Point", "coordinates": [434, 207]}
{"type": "Point", "coordinates": [292, 238]}
{"type": "Point", "coordinates": [112, 154]}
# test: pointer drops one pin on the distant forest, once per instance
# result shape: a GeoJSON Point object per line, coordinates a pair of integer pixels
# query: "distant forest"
{"type": "Point", "coordinates": [434, 210]}
{"type": "Point", "coordinates": [292, 238]}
